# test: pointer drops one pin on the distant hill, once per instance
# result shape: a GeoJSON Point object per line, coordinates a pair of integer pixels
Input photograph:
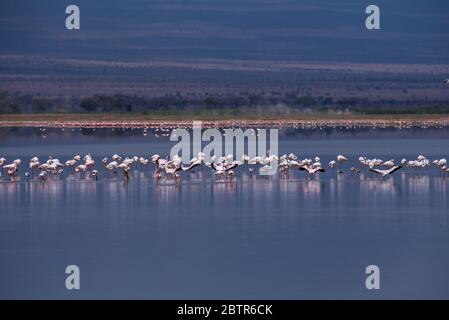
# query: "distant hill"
{"type": "Point", "coordinates": [412, 31]}
{"type": "Point", "coordinates": [246, 56]}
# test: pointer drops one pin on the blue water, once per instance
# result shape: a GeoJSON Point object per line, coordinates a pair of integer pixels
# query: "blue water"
{"type": "Point", "coordinates": [251, 237]}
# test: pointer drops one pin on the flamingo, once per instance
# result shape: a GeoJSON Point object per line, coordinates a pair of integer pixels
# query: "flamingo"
{"type": "Point", "coordinates": [2, 163]}
{"type": "Point", "coordinates": [13, 167]}
{"type": "Point", "coordinates": [88, 161]}
{"type": "Point", "coordinates": [387, 171]}
{"type": "Point", "coordinates": [341, 159]}
{"type": "Point", "coordinates": [80, 168]}
{"type": "Point", "coordinates": [43, 176]}
{"type": "Point", "coordinates": [389, 163]}
{"type": "Point", "coordinates": [222, 168]}
{"type": "Point", "coordinates": [126, 173]}
{"type": "Point", "coordinates": [312, 170]}
{"type": "Point", "coordinates": [34, 164]}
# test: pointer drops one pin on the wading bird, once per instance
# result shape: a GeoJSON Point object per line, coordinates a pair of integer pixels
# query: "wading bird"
{"type": "Point", "coordinates": [387, 171]}
{"type": "Point", "coordinates": [341, 159]}
{"type": "Point", "coordinates": [222, 168]}
{"type": "Point", "coordinates": [311, 170]}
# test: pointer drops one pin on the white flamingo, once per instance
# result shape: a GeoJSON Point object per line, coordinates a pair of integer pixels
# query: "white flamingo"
{"type": "Point", "coordinates": [312, 170]}
{"type": "Point", "coordinates": [387, 171]}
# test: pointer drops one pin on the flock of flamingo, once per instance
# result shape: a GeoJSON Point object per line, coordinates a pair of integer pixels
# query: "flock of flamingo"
{"type": "Point", "coordinates": [222, 167]}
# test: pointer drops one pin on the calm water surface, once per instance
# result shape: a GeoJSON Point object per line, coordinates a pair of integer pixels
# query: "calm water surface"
{"type": "Point", "coordinates": [252, 237]}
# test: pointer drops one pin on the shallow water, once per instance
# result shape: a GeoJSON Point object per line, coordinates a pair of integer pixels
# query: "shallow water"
{"type": "Point", "coordinates": [250, 237]}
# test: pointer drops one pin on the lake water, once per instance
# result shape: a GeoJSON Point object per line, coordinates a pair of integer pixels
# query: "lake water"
{"type": "Point", "coordinates": [251, 237]}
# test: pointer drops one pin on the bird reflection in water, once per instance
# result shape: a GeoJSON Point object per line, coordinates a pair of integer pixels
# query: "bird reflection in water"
{"type": "Point", "coordinates": [419, 184]}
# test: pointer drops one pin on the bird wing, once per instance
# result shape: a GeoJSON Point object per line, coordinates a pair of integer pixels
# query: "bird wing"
{"type": "Point", "coordinates": [193, 165]}
{"type": "Point", "coordinates": [315, 170]}
{"type": "Point", "coordinates": [232, 166]}
{"type": "Point", "coordinates": [393, 169]}
{"type": "Point", "coordinates": [306, 168]}
{"type": "Point", "coordinates": [376, 171]}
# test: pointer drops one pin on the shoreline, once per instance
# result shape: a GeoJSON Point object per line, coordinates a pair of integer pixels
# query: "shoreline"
{"type": "Point", "coordinates": [158, 121]}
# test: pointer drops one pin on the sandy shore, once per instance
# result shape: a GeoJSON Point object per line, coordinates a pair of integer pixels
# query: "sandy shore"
{"type": "Point", "coordinates": [146, 121]}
